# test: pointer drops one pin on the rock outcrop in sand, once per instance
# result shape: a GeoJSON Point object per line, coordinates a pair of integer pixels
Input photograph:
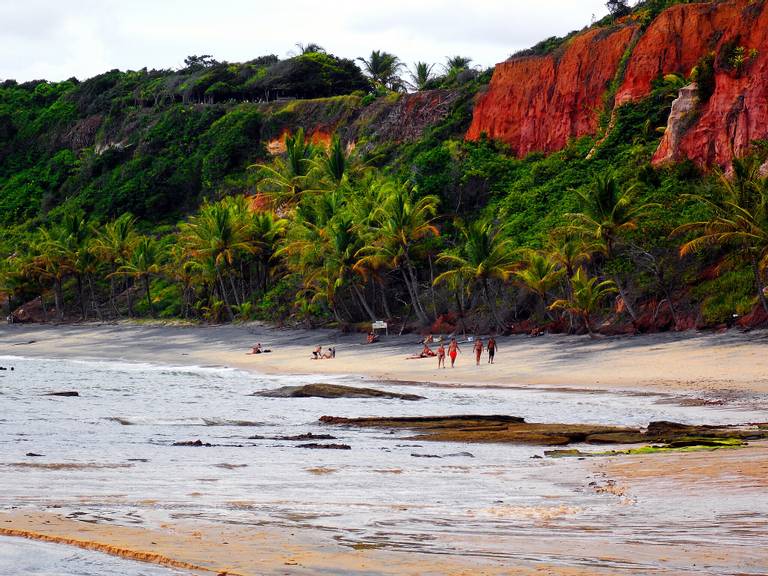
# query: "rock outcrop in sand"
{"type": "Point", "coordinates": [515, 430]}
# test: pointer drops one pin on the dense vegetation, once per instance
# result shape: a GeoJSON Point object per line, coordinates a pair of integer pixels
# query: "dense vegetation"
{"type": "Point", "coordinates": [152, 193]}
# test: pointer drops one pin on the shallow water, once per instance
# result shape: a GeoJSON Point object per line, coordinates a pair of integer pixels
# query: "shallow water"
{"type": "Point", "coordinates": [107, 456]}
{"type": "Point", "coordinates": [19, 556]}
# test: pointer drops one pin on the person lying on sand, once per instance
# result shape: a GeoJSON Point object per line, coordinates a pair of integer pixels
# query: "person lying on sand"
{"type": "Point", "coordinates": [258, 350]}
{"type": "Point", "coordinates": [426, 352]}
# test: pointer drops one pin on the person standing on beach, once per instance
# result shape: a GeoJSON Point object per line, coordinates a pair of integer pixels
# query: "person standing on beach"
{"type": "Point", "coordinates": [453, 349]}
{"type": "Point", "coordinates": [478, 350]}
{"type": "Point", "coordinates": [491, 347]}
{"type": "Point", "coordinates": [441, 355]}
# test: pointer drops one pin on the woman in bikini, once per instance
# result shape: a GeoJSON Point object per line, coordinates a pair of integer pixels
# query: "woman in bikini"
{"type": "Point", "coordinates": [453, 349]}
{"type": "Point", "coordinates": [441, 355]}
{"type": "Point", "coordinates": [478, 350]}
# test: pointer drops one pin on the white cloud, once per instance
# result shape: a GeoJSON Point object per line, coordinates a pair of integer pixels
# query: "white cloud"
{"type": "Point", "coordinates": [56, 40]}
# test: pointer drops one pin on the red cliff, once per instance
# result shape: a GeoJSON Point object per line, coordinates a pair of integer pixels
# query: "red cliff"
{"type": "Point", "coordinates": [538, 103]}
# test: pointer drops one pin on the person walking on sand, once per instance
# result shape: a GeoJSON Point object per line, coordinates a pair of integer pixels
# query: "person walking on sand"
{"type": "Point", "coordinates": [441, 355]}
{"type": "Point", "coordinates": [491, 347]}
{"type": "Point", "coordinates": [453, 349]}
{"type": "Point", "coordinates": [478, 350]}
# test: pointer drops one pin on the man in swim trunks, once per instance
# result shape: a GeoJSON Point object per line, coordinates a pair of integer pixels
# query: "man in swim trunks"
{"type": "Point", "coordinates": [453, 349]}
{"type": "Point", "coordinates": [491, 347]}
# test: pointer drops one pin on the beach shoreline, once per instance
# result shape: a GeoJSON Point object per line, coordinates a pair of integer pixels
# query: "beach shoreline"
{"type": "Point", "coordinates": [691, 362]}
{"type": "Point", "coordinates": [701, 367]}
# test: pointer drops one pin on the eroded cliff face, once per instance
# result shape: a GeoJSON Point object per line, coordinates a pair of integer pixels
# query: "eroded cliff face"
{"type": "Point", "coordinates": [537, 103]}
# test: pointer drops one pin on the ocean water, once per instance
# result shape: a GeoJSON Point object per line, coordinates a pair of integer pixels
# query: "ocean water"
{"type": "Point", "coordinates": [108, 456]}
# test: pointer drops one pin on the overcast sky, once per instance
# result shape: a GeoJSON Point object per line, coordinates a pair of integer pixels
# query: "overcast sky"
{"type": "Point", "coordinates": [57, 39]}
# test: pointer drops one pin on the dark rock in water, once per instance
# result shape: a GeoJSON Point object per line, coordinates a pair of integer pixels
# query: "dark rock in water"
{"type": "Point", "coordinates": [138, 459]}
{"type": "Point", "coordinates": [256, 437]}
{"type": "Point", "coordinates": [315, 446]}
{"type": "Point", "coordinates": [33, 454]}
{"type": "Point", "coordinates": [69, 393]}
{"type": "Point", "coordinates": [332, 391]}
{"type": "Point", "coordinates": [459, 455]}
{"type": "Point", "coordinates": [424, 421]}
{"type": "Point", "coordinates": [425, 455]}
{"type": "Point", "coordinates": [196, 443]}
{"type": "Point", "coordinates": [307, 436]}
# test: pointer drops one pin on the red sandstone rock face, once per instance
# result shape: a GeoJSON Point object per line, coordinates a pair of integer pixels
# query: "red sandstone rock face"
{"type": "Point", "coordinates": [737, 112]}
{"type": "Point", "coordinates": [539, 103]}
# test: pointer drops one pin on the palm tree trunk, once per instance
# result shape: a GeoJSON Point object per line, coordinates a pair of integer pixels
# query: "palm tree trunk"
{"type": "Point", "coordinates": [492, 305]}
{"type": "Point", "coordinates": [587, 324]}
{"type": "Point", "coordinates": [625, 297]}
{"type": "Point", "coordinates": [414, 298]}
{"type": "Point", "coordinates": [58, 292]}
{"type": "Point", "coordinates": [384, 301]}
{"type": "Point", "coordinates": [224, 294]}
{"type": "Point", "coordinates": [93, 298]}
{"type": "Point", "coordinates": [149, 295]}
{"type": "Point", "coordinates": [432, 288]}
{"type": "Point", "coordinates": [81, 297]}
{"type": "Point", "coordinates": [363, 303]}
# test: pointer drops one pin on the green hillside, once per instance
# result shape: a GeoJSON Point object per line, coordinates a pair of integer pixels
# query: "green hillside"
{"type": "Point", "coordinates": [307, 191]}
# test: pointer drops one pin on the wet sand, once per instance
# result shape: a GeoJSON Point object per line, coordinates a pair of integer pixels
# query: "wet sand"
{"type": "Point", "coordinates": [661, 481]}
{"type": "Point", "coordinates": [690, 361]}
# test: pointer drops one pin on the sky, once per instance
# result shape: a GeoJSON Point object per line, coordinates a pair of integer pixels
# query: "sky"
{"type": "Point", "coordinates": [58, 39]}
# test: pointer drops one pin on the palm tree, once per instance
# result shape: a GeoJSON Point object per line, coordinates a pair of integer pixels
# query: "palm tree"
{"type": "Point", "coordinates": [739, 220]}
{"type": "Point", "coordinates": [541, 273]}
{"type": "Point", "coordinates": [220, 233]}
{"type": "Point", "coordinates": [484, 254]}
{"type": "Point", "coordinates": [286, 178]}
{"type": "Point", "coordinates": [421, 75]}
{"type": "Point", "coordinates": [112, 244]}
{"type": "Point", "coordinates": [586, 296]}
{"type": "Point", "coordinates": [383, 68]}
{"type": "Point", "coordinates": [607, 212]}
{"type": "Point", "coordinates": [398, 226]}
{"type": "Point", "coordinates": [309, 48]}
{"type": "Point", "coordinates": [455, 64]}
{"type": "Point", "coordinates": [144, 262]}
{"type": "Point", "coordinates": [266, 231]}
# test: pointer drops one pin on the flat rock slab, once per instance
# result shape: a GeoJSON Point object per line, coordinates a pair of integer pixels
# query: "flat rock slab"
{"type": "Point", "coordinates": [333, 391]}
{"type": "Point", "coordinates": [67, 393]}
{"type": "Point", "coordinates": [515, 430]}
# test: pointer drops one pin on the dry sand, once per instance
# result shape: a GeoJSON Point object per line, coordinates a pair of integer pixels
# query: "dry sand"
{"type": "Point", "coordinates": [688, 361]}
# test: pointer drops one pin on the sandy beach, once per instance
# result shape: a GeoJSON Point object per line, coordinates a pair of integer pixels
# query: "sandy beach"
{"type": "Point", "coordinates": [690, 361]}
{"type": "Point", "coordinates": [651, 496]}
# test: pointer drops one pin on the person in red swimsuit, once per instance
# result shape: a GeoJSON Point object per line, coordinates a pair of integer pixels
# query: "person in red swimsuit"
{"type": "Point", "coordinates": [453, 350]}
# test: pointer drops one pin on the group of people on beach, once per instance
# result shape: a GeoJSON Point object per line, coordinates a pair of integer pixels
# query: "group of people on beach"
{"type": "Point", "coordinates": [454, 350]}
{"type": "Point", "coordinates": [318, 354]}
